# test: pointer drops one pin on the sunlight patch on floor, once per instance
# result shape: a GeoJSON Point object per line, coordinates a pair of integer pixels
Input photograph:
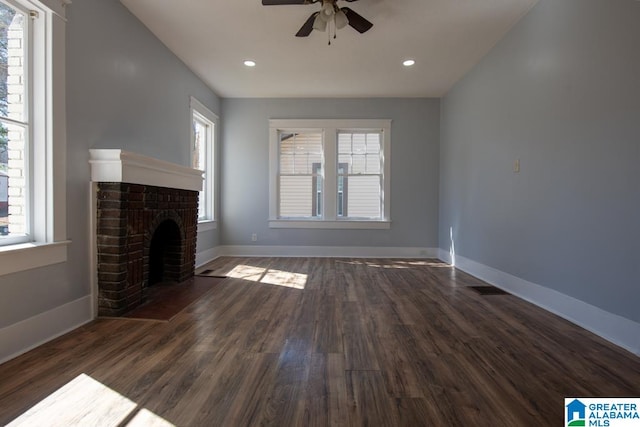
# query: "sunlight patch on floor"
{"type": "Point", "coordinates": [247, 272]}
{"type": "Point", "coordinates": [269, 276]}
{"type": "Point", "coordinates": [398, 264]}
{"type": "Point", "coordinates": [285, 278]}
{"type": "Point", "coordinates": [146, 418]}
{"type": "Point", "coordinates": [86, 402]}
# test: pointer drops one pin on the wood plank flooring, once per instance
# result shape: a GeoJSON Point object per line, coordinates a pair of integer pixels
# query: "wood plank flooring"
{"type": "Point", "coordinates": [322, 342]}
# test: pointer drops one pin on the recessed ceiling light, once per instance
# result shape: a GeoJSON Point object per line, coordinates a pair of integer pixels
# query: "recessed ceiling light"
{"type": "Point", "coordinates": [408, 62]}
{"type": "Point", "coordinates": [250, 63]}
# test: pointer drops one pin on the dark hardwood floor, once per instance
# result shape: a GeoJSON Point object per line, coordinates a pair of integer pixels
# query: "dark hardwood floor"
{"type": "Point", "coordinates": [318, 342]}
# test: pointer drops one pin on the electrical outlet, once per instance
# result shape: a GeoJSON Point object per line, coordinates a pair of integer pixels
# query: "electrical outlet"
{"type": "Point", "coordinates": [516, 166]}
{"type": "Point", "coordinates": [254, 237]}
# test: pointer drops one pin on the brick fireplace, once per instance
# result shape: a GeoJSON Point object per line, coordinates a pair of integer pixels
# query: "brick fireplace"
{"type": "Point", "coordinates": [146, 217]}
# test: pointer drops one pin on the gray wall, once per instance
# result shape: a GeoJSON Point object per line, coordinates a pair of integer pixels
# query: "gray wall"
{"type": "Point", "coordinates": [124, 90]}
{"type": "Point", "coordinates": [127, 90]}
{"type": "Point", "coordinates": [414, 170]}
{"type": "Point", "coordinates": [560, 93]}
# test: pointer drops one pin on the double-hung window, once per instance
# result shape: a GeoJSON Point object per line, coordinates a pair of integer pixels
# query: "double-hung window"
{"type": "Point", "coordinates": [32, 134]}
{"type": "Point", "coordinates": [300, 174]}
{"type": "Point", "coordinates": [360, 174]}
{"type": "Point", "coordinates": [15, 132]}
{"type": "Point", "coordinates": [329, 174]}
{"type": "Point", "coordinates": [203, 138]}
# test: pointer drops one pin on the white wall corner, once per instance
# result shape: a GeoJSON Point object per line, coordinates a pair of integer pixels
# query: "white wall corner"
{"type": "Point", "coordinates": [207, 256]}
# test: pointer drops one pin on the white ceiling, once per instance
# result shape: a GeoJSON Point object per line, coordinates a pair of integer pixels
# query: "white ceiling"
{"type": "Point", "coordinates": [445, 37]}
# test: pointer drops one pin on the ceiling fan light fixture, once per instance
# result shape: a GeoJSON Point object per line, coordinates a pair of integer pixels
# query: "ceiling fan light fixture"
{"type": "Point", "coordinates": [408, 62]}
{"type": "Point", "coordinates": [320, 23]}
{"type": "Point", "coordinates": [330, 18]}
{"type": "Point", "coordinates": [341, 19]}
{"type": "Point", "coordinates": [249, 63]}
{"type": "Point", "coordinates": [327, 10]}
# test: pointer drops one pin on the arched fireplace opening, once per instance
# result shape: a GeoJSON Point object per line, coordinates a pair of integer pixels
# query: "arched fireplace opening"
{"type": "Point", "coordinates": [139, 225]}
{"type": "Point", "coordinates": [165, 253]}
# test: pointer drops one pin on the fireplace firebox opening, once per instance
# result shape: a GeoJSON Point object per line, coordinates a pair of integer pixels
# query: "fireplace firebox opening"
{"type": "Point", "coordinates": [165, 253]}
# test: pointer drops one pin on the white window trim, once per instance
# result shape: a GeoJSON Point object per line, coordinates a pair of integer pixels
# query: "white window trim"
{"type": "Point", "coordinates": [50, 223]}
{"type": "Point", "coordinates": [209, 184]}
{"type": "Point", "coordinates": [329, 128]}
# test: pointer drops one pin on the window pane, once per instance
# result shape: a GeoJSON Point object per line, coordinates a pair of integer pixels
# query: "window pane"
{"type": "Point", "coordinates": [358, 163]}
{"type": "Point", "coordinates": [202, 134]}
{"type": "Point", "coordinates": [13, 180]}
{"type": "Point", "coordinates": [301, 156]}
{"type": "Point", "coordinates": [359, 155]}
{"type": "Point", "coordinates": [361, 151]}
{"type": "Point", "coordinates": [363, 198]}
{"type": "Point", "coordinates": [297, 195]}
{"type": "Point", "coordinates": [373, 143]}
{"type": "Point", "coordinates": [299, 152]}
{"type": "Point", "coordinates": [346, 160]}
{"type": "Point", "coordinates": [200, 146]}
{"type": "Point", "coordinates": [344, 143]}
{"type": "Point", "coordinates": [359, 143]}
{"type": "Point", "coordinates": [343, 189]}
{"type": "Point", "coordinates": [12, 63]}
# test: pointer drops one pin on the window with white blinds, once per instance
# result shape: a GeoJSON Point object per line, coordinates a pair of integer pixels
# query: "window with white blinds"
{"type": "Point", "coordinates": [329, 173]}
{"type": "Point", "coordinates": [360, 176]}
{"type": "Point", "coordinates": [300, 175]}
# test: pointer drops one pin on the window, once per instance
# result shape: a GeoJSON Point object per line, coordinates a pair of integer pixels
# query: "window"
{"type": "Point", "coordinates": [360, 166]}
{"type": "Point", "coordinates": [32, 134]}
{"type": "Point", "coordinates": [300, 175]}
{"type": "Point", "coordinates": [203, 135]}
{"type": "Point", "coordinates": [15, 134]}
{"type": "Point", "coordinates": [329, 174]}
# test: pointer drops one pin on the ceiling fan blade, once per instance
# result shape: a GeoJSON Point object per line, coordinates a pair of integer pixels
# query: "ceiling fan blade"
{"type": "Point", "coordinates": [307, 27]}
{"type": "Point", "coordinates": [282, 2]}
{"type": "Point", "coordinates": [356, 21]}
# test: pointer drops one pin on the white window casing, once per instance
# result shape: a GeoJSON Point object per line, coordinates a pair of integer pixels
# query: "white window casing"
{"type": "Point", "coordinates": [204, 149]}
{"type": "Point", "coordinates": [331, 216]}
{"type": "Point", "coordinates": [45, 240]}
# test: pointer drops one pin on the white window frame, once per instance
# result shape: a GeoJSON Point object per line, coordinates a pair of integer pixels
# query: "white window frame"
{"type": "Point", "coordinates": [198, 110]}
{"type": "Point", "coordinates": [48, 242]}
{"type": "Point", "coordinates": [329, 128]}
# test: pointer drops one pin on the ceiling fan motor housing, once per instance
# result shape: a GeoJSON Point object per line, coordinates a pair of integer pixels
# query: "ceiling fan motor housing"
{"type": "Point", "coordinates": [328, 9]}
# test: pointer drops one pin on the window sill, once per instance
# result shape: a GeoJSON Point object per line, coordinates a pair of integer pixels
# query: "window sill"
{"type": "Point", "coordinates": [25, 256]}
{"type": "Point", "coordinates": [335, 225]}
{"type": "Point", "coordinates": [207, 225]}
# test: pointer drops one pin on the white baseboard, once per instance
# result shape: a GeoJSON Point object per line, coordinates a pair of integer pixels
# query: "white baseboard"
{"type": "Point", "coordinates": [328, 251]}
{"type": "Point", "coordinates": [207, 255]}
{"type": "Point", "coordinates": [613, 328]}
{"type": "Point", "coordinates": [28, 334]}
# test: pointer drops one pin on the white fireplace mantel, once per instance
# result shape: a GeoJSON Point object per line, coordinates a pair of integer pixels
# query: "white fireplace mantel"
{"type": "Point", "coordinates": [114, 165]}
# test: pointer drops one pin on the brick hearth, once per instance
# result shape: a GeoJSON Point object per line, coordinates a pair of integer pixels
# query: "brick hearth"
{"type": "Point", "coordinates": [128, 216]}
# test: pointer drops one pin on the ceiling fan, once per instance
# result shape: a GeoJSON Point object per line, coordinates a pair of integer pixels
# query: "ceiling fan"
{"type": "Point", "coordinates": [329, 14]}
